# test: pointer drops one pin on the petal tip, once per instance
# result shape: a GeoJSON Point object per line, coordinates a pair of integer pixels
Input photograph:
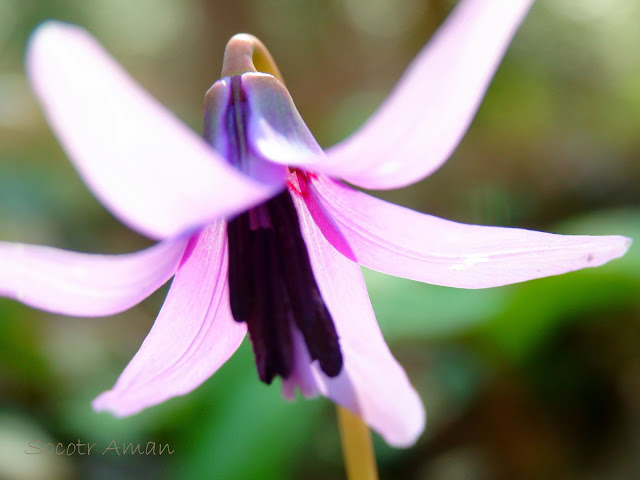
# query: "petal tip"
{"type": "Point", "coordinates": [107, 402]}
{"type": "Point", "coordinates": [413, 429]}
{"type": "Point", "coordinates": [101, 402]}
{"type": "Point", "coordinates": [46, 27]}
{"type": "Point", "coordinates": [48, 31]}
{"type": "Point", "coordinates": [45, 36]}
{"type": "Point", "coordinates": [617, 245]}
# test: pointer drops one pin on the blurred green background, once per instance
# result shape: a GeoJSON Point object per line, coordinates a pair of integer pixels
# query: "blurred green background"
{"type": "Point", "coordinates": [534, 381]}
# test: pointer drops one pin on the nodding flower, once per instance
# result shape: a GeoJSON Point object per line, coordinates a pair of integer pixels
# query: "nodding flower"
{"type": "Point", "coordinates": [257, 228]}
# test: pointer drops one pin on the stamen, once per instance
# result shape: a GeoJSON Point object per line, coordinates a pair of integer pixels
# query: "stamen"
{"type": "Point", "coordinates": [310, 313]}
{"type": "Point", "coordinates": [271, 284]}
{"type": "Point", "coordinates": [241, 278]}
{"type": "Point", "coordinates": [277, 275]}
{"type": "Point", "coordinates": [269, 324]}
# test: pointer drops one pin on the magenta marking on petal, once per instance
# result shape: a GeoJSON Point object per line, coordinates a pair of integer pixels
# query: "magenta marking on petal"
{"type": "Point", "coordinates": [299, 182]}
{"type": "Point", "coordinates": [372, 384]}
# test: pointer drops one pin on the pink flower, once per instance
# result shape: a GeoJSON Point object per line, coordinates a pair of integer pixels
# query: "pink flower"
{"type": "Point", "coordinates": [164, 181]}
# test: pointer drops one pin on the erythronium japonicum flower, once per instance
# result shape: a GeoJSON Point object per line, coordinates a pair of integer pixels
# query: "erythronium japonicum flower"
{"type": "Point", "coordinates": [256, 230]}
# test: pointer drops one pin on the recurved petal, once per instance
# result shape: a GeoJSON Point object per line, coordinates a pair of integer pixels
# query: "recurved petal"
{"type": "Point", "coordinates": [406, 243]}
{"type": "Point", "coordinates": [83, 284]}
{"type": "Point", "coordinates": [192, 337]}
{"type": "Point", "coordinates": [147, 167]}
{"type": "Point", "coordinates": [372, 383]}
{"type": "Point", "coordinates": [276, 129]}
{"type": "Point", "coordinates": [419, 125]}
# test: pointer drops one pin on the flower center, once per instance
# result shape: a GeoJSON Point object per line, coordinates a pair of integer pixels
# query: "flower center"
{"type": "Point", "coordinates": [271, 282]}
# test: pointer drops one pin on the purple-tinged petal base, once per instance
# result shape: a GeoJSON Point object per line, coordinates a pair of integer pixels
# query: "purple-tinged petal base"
{"type": "Point", "coordinates": [192, 337]}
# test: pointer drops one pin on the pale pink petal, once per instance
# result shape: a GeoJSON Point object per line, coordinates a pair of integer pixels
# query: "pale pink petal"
{"type": "Point", "coordinates": [303, 376]}
{"type": "Point", "coordinates": [192, 337]}
{"type": "Point", "coordinates": [417, 128]}
{"type": "Point", "coordinates": [372, 383]}
{"type": "Point", "coordinates": [406, 243]}
{"type": "Point", "coordinates": [275, 128]}
{"type": "Point", "coordinates": [84, 284]}
{"type": "Point", "coordinates": [147, 167]}
{"type": "Point", "coordinates": [216, 133]}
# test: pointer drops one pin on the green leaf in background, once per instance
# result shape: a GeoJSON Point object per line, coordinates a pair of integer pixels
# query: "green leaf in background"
{"type": "Point", "coordinates": [18, 434]}
{"type": "Point", "coordinates": [20, 357]}
{"type": "Point", "coordinates": [246, 430]}
{"type": "Point", "coordinates": [408, 309]}
{"type": "Point", "coordinates": [518, 316]}
{"type": "Point", "coordinates": [536, 309]}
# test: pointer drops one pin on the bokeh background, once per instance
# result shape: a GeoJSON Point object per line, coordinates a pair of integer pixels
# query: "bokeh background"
{"type": "Point", "coordinates": [533, 381]}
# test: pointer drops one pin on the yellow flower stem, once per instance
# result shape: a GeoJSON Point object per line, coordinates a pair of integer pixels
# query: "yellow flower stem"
{"type": "Point", "coordinates": [357, 447]}
{"type": "Point", "coordinates": [245, 53]}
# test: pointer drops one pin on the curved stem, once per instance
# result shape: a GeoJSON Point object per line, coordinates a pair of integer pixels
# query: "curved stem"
{"type": "Point", "coordinates": [245, 53]}
{"type": "Point", "coordinates": [357, 447]}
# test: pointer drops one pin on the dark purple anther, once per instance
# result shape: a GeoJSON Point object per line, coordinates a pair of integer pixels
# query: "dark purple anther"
{"type": "Point", "coordinates": [271, 283]}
